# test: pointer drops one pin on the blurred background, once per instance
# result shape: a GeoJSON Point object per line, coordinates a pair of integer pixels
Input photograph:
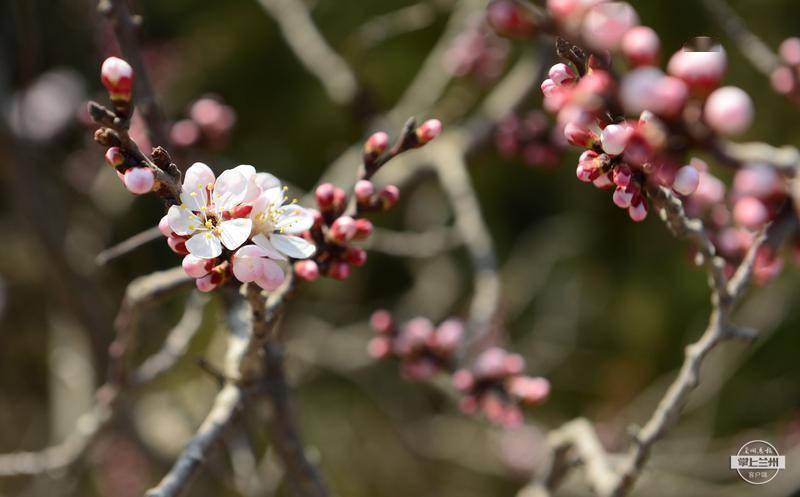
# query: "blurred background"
{"type": "Point", "coordinates": [599, 305]}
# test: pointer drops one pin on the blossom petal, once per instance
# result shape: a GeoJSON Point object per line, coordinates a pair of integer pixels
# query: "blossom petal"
{"type": "Point", "coordinates": [293, 246]}
{"type": "Point", "coordinates": [182, 221]}
{"type": "Point", "coordinates": [198, 174]}
{"type": "Point", "coordinates": [204, 245]}
{"type": "Point", "coordinates": [265, 181]}
{"type": "Point", "coordinates": [235, 232]}
{"type": "Point", "coordinates": [263, 242]}
{"type": "Point", "coordinates": [249, 173]}
{"type": "Point", "coordinates": [229, 190]}
{"type": "Point", "coordinates": [271, 275]}
{"type": "Point", "coordinates": [294, 220]}
{"type": "Point", "coordinates": [247, 263]}
{"type": "Point", "coordinates": [245, 170]}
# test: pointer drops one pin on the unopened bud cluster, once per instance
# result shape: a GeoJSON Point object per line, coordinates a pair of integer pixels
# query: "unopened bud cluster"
{"type": "Point", "coordinates": [623, 154]}
{"type": "Point", "coordinates": [785, 78]}
{"type": "Point", "coordinates": [423, 349]}
{"type": "Point", "coordinates": [494, 384]}
{"type": "Point", "coordinates": [529, 138]}
{"type": "Point", "coordinates": [209, 124]}
{"type": "Point", "coordinates": [734, 217]}
{"type": "Point", "coordinates": [477, 52]}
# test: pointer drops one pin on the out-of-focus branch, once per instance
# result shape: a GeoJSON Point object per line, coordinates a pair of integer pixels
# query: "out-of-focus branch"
{"type": "Point", "coordinates": [126, 29]}
{"type": "Point", "coordinates": [128, 245]}
{"type": "Point", "coordinates": [756, 51]}
{"type": "Point", "coordinates": [396, 22]}
{"type": "Point", "coordinates": [301, 473]}
{"type": "Point", "coordinates": [226, 404]}
{"type": "Point", "coordinates": [608, 477]}
{"type": "Point", "coordinates": [144, 290]}
{"type": "Point", "coordinates": [176, 343]}
{"type": "Point", "coordinates": [785, 158]}
{"type": "Point", "coordinates": [140, 292]}
{"type": "Point", "coordinates": [411, 244]}
{"type": "Point", "coordinates": [448, 158]}
{"type": "Point", "coordinates": [316, 55]}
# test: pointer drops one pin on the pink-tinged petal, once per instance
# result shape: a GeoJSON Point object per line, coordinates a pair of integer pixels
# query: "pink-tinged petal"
{"type": "Point", "coordinates": [204, 245]}
{"type": "Point", "coordinates": [247, 263]}
{"type": "Point", "coordinates": [294, 220]}
{"type": "Point", "coordinates": [271, 275]}
{"type": "Point", "coordinates": [266, 181]}
{"type": "Point", "coordinates": [245, 170]}
{"type": "Point", "coordinates": [182, 221]}
{"type": "Point", "coordinates": [195, 267]}
{"type": "Point", "coordinates": [249, 173]}
{"type": "Point", "coordinates": [271, 252]}
{"type": "Point", "coordinates": [198, 175]}
{"type": "Point", "coordinates": [235, 232]}
{"type": "Point", "coordinates": [229, 190]}
{"type": "Point", "coordinates": [293, 246]}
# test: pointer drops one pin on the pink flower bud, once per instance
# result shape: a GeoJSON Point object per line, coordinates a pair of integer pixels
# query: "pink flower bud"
{"type": "Point", "coordinates": [622, 197]}
{"type": "Point", "coordinates": [579, 136]}
{"type": "Point", "coordinates": [356, 256]}
{"type": "Point", "coordinates": [603, 181]}
{"type": "Point", "coordinates": [325, 194]}
{"type": "Point", "coordinates": [139, 180]}
{"type": "Point", "coordinates": [343, 229]}
{"type": "Point", "coordinates": [376, 144]}
{"type": "Point", "coordinates": [638, 209]}
{"type": "Point", "coordinates": [790, 51]}
{"type": "Point", "coordinates": [306, 269]}
{"type": "Point", "coordinates": [548, 87]}
{"type": "Point", "coordinates": [621, 175]}
{"type": "Point", "coordinates": [561, 74]}
{"type": "Point", "coordinates": [508, 18]}
{"type": "Point", "coordinates": [701, 70]}
{"type": "Point", "coordinates": [196, 267]}
{"type": "Point", "coordinates": [363, 229]}
{"type": "Point", "coordinates": [686, 180]}
{"type": "Point", "coordinates": [640, 46]}
{"type": "Point", "coordinates": [389, 196]}
{"type": "Point", "coordinates": [429, 130]}
{"type": "Point", "coordinates": [206, 283]}
{"type": "Point", "coordinates": [614, 137]}
{"type": "Point", "coordinates": [177, 244]}
{"type": "Point", "coordinates": [760, 181]}
{"type": "Point", "coordinates": [531, 391]}
{"type": "Point", "coordinates": [339, 270]}
{"type": "Point", "coordinates": [163, 226]}
{"type": "Point", "coordinates": [463, 380]}
{"type": "Point", "coordinates": [114, 157]}
{"type": "Point", "coordinates": [364, 190]}
{"type": "Point", "coordinates": [117, 76]}
{"type": "Point", "coordinates": [379, 347]}
{"type": "Point", "coordinates": [605, 24]}
{"type": "Point", "coordinates": [381, 321]}
{"type": "Point", "coordinates": [729, 111]}
{"type": "Point", "coordinates": [449, 335]}
{"type": "Point", "coordinates": [184, 133]}
{"type": "Point", "coordinates": [490, 363]}
{"type": "Point", "coordinates": [750, 213]}
{"type": "Point", "coordinates": [783, 80]}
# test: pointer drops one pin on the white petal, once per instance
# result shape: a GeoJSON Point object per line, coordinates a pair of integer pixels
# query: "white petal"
{"type": "Point", "coordinates": [263, 242]}
{"type": "Point", "coordinates": [273, 196]}
{"type": "Point", "coordinates": [235, 232]}
{"type": "Point", "coordinates": [271, 275]}
{"type": "Point", "coordinates": [294, 220]}
{"type": "Point", "coordinates": [198, 174]}
{"type": "Point", "coordinates": [195, 199]}
{"type": "Point", "coordinates": [293, 246]}
{"type": "Point", "coordinates": [204, 245]}
{"type": "Point", "coordinates": [245, 170]}
{"type": "Point", "coordinates": [229, 190]}
{"type": "Point", "coordinates": [182, 221]}
{"type": "Point", "coordinates": [265, 181]}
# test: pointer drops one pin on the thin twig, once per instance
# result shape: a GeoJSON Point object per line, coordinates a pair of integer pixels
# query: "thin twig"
{"type": "Point", "coordinates": [316, 55]}
{"type": "Point", "coordinates": [128, 245]}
